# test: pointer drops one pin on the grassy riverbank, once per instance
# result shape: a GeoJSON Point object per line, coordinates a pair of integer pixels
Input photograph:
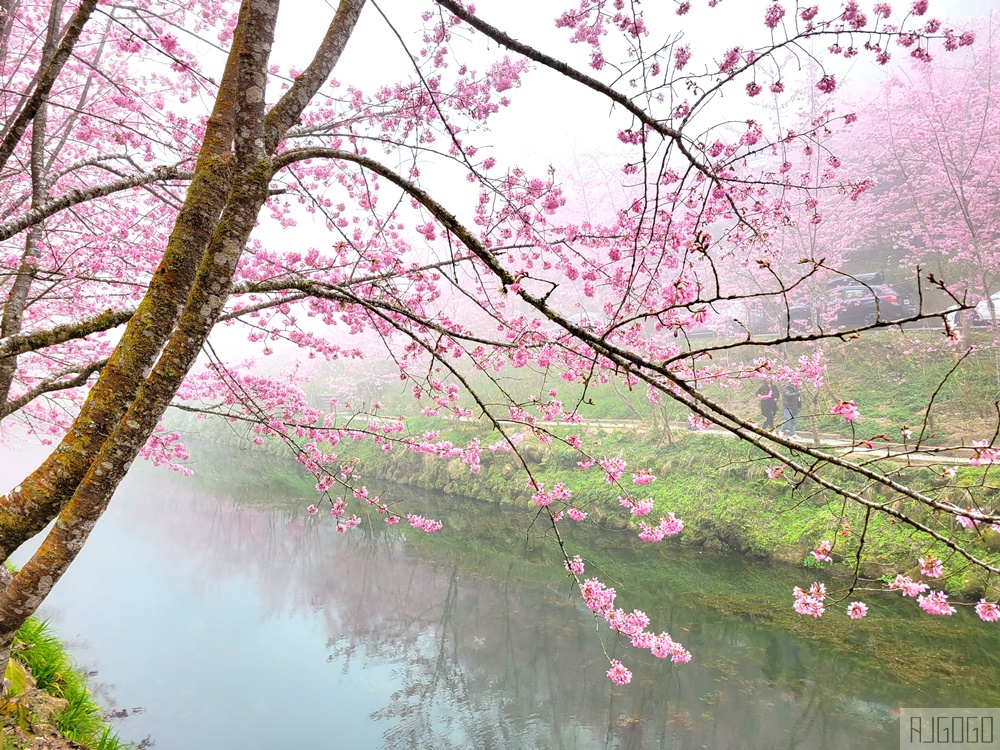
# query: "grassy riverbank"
{"type": "Point", "coordinates": [716, 485]}
{"type": "Point", "coordinates": [48, 703]}
{"type": "Point", "coordinates": [719, 486]}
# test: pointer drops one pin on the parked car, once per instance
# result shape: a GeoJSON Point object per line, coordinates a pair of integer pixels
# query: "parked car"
{"type": "Point", "coordinates": [847, 306]}
{"type": "Point", "coordinates": [859, 279]}
{"type": "Point", "coordinates": [982, 315]}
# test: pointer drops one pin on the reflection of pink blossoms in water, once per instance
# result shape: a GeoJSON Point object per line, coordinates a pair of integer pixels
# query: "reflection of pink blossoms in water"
{"type": "Point", "coordinates": [936, 603]}
{"type": "Point", "coordinates": [908, 586]}
{"type": "Point", "coordinates": [988, 611]}
{"type": "Point", "coordinates": [931, 567]}
{"type": "Point", "coordinates": [857, 610]}
{"type": "Point", "coordinates": [810, 602]}
{"type": "Point", "coordinates": [619, 674]}
{"type": "Point", "coordinates": [425, 524]}
{"type": "Point", "coordinates": [575, 565]}
{"type": "Point", "coordinates": [822, 552]}
{"type": "Point", "coordinates": [847, 409]}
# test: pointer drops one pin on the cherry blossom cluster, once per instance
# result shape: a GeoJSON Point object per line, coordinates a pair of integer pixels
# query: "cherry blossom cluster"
{"type": "Point", "coordinates": [670, 526]}
{"type": "Point", "coordinates": [822, 551]}
{"type": "Point", "coordinates": [810, 602]}
{"type": "Point", "coordinates": [984, 453]}
{"type": "Point", "coordinates": [935, 603]}
{"type": "Point", "coordinates": [600, 599]}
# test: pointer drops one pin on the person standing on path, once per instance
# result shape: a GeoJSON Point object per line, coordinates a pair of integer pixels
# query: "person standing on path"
{"type": "Point", "coordinates": [791, 402]}
{"type": "Point", "coordinates": [768, 395]}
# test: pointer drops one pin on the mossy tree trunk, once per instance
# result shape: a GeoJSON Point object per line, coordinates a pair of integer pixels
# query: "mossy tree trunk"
{"type": "Point", "coordinates": [182, 304]}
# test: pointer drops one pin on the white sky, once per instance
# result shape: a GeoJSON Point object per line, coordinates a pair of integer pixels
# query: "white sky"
{"type": "Point", "coordinates": [554, 120]}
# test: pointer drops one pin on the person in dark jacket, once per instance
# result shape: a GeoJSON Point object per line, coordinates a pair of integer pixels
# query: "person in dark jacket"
{"type": "Point", "coordinates": [768, 395]}
{"type": "Point", "coordinates": [791, 402]}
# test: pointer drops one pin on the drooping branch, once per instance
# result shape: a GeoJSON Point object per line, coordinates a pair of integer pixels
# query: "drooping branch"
{"type": "Point", "coordinates": [652, 372]}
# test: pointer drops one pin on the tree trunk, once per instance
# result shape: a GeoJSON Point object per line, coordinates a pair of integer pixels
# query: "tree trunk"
{"type": "Point", "coordinates": [213, 227]}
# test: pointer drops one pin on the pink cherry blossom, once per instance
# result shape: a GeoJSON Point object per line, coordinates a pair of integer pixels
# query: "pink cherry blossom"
{"type": "Point", "coordinates": [931, 567]}
{"type": "Point", "coordinates": [827, 84]}
{"type": "Point", "coordinates": [988, 611]}
{"type": "Point", "coordinates": [810, 602]}
{"type": "Point", "coordinates": [698, 422]}
{"type": "Point", "coordinates": [847, 409]}
{"type": "Point", "coordinates": [935, 603]}
{"type": "Point", "coordinates": [619, 674]}
{"type": "Point", "coordinates": [613, 469]}
{"type": "Point", "coordinates": [857, 610]}
{"type": "Point", "coordinates": [908, 586]}
{"type": "Point", "coordinates": [822, 552]}
{"type": "Point", "coordinates": [774, 15]}
{"type": "Point", "coordinates": [643, 476]}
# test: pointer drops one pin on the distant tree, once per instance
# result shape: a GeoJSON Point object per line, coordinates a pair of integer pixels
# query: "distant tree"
{"type": "Point", "coordinates": [130, 216]}
{"type": "Point", "coordinates": [932, 143]}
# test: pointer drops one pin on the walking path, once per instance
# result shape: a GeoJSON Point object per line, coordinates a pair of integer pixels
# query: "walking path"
{"type": "Point", "coordinates": [840, 445]}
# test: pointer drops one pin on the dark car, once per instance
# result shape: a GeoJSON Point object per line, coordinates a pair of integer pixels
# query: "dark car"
{"type": "Point", "coordinates": [846, 306]}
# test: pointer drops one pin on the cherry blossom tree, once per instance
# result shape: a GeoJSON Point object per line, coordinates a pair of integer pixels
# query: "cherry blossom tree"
{"type": "Point", "coordinates": [933, 145]}
{"type": "Point", "coordinates": [313, 200]}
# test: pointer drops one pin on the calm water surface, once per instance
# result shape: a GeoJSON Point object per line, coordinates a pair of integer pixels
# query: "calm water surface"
{"type": "Point", "coordinates": [214, 622]}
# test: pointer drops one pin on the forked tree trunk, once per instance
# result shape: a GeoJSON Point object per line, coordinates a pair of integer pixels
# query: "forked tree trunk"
{"type": "Point", "coordinates": [228, 190]}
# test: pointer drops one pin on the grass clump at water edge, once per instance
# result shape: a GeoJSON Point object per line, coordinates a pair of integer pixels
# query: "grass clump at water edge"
{"type": "Point", "coordinates": [67, 705]}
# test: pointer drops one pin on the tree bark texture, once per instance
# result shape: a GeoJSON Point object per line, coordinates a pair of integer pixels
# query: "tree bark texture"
{"type": "Point", "coordinates": [166, 332]}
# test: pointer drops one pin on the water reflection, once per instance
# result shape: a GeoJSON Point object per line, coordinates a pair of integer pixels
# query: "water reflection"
{"type": "Point", "coordinates": [236, 624]}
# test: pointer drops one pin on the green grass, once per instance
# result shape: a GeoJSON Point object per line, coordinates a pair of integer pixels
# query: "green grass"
{"type": "Point", "coordinates": [55, 673]}
{"type": "Point", "coordinates": [717, 485]}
